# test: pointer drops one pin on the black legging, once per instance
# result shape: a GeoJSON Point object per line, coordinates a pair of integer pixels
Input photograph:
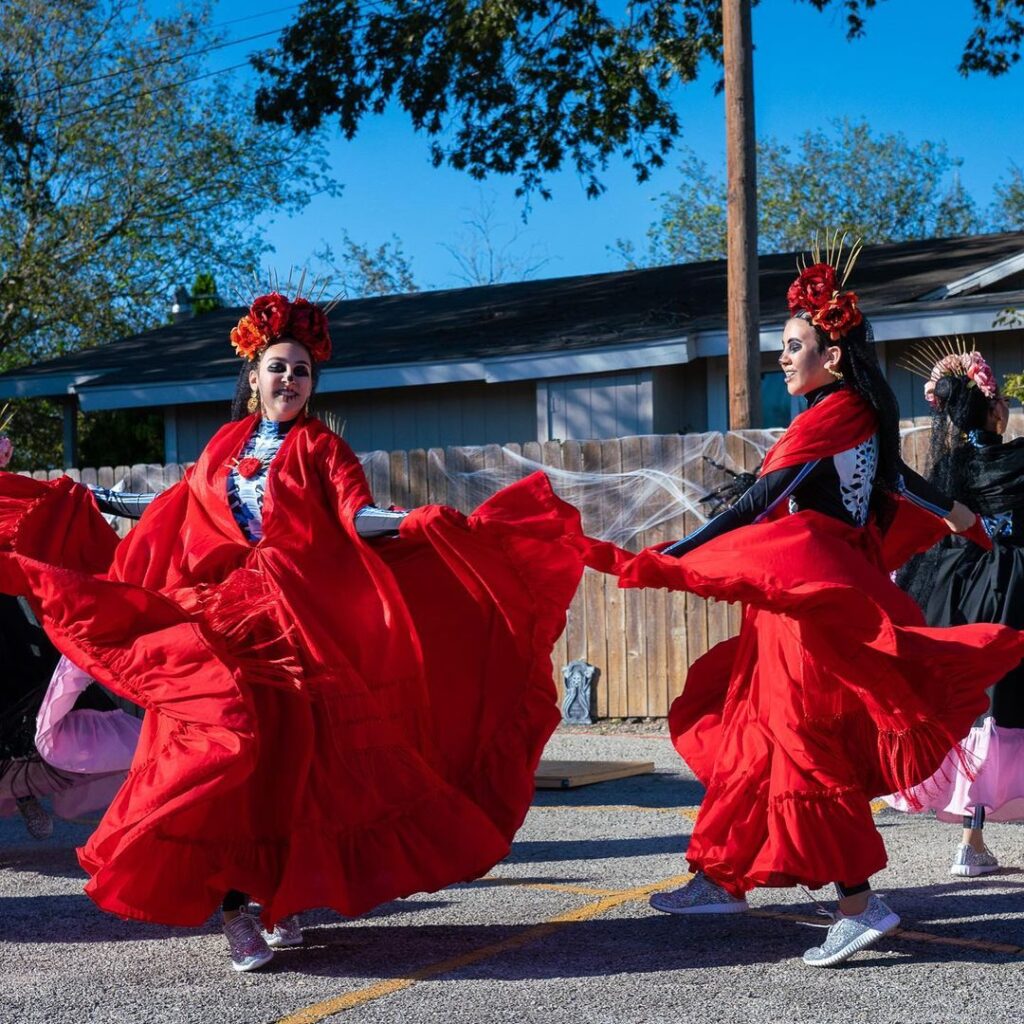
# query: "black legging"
{"type": "Point", "coordinates": [234, 900]}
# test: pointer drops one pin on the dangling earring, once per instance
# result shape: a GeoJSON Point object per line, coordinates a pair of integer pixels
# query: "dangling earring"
{"type": "Point", "coordinates": [254, 401]}
{"type": "Point", "coordinates": [835, 373]}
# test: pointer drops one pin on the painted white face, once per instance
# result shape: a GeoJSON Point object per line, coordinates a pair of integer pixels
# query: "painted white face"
{"type": "Point", "coordinates": [284, 380]}
{"type": "Point", "coordinates": [802, 363]}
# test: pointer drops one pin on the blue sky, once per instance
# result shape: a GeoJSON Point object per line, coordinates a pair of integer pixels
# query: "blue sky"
{"type": "Point", "coordinates": [901, 76]}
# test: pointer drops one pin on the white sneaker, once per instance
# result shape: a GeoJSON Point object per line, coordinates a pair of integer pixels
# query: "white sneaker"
{"type": "Point", "coordinates": [849, 935]}
{"type": "Point", "coordinates": [969, 863]}
{"type": "Point", "coordinates": [287, 932]}
{"type": "Point", "coordinates": [699, 896]}
{"type": "Point", "coordinates": [249, 950]}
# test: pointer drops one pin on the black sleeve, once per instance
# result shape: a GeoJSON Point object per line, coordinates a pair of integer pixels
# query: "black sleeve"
{"type": "Point", "coordinates": [915, 488]}
{"type": "Point", "coordinates": [769, 490]}
{"type": "Point", "coordinates": [120, 503]}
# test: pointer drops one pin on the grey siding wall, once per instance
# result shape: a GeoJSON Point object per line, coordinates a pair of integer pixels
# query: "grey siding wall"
{"type": "Point", "coordinates": [435, 416]}
{"type": "Point", "coordinates": [421, 417]}
{"type": "Point", "coordinates": [602, 405]}
{"type": "Point", "coordinates": [681, 399]}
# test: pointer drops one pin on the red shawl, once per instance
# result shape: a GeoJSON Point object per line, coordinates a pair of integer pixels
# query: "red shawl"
{"type": "Point", "coordinates": [330, 722]}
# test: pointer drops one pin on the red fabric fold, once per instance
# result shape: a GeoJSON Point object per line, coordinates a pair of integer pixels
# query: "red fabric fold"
{"type": "Point", "coordinates": [330, 722]}
{"type": "Point", "coordinates": [834, 692]}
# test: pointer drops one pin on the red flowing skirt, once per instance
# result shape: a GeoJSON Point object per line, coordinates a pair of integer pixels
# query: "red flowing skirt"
{"type": "Point", "coordinates": [331, 788]}
{"type": "Point", "coordinates": [835, 692]}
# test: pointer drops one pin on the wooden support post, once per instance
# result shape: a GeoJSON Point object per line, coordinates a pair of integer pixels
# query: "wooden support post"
{"type": "Point", "coordinates": [741, 160]}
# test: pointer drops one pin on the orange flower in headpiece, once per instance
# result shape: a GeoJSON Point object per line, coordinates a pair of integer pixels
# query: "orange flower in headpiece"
{"type": "Point", "coordinates": [246, 338]}
{"type": "Point", "coordinates": [838, 315]}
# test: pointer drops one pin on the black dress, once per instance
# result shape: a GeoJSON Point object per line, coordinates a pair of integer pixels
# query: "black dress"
{"type": "Point", "coordinates": [957, 582]}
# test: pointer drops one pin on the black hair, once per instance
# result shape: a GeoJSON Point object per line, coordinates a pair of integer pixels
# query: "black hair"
{"type": "Point", "coordinates": [243, 389]}
{"type": "Point", "coordinates": [859, 366]}
{"type": "Point", "coordinates": [960, 408]}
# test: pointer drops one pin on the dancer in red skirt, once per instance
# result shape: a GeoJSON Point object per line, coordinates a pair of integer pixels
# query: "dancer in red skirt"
{"type": "Point", "coordinates": [313, 735]}
{"type": "Point", "coordinates": [835, 691]}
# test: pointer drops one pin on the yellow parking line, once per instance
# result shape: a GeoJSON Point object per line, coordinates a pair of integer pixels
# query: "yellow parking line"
{"type": "Point", "coordinates": [577, 890]}
{"type": "Point", "coordinates": [686, 812]}
{"type": "Point", "coordinates": [321, 1011]}
{"type": "Point", "coordinates": [607, 808]}
{"type": "Point", "coordinates": [902, 933]}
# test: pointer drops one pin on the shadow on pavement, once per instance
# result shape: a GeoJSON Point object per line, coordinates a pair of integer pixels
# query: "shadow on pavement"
{"type": "Point", "coordinates": [541, 850]}
{"type": "Point", "coordinates": [45, 919]}
{"type": "Point", "coordinates": [648, 944]}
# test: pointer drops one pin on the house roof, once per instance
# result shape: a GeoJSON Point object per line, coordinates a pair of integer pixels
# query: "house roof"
{"type": "Point", "coordinates": [558, 323]}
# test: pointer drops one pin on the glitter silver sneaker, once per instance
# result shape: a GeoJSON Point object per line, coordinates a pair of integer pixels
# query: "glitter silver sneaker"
{"type": "Point", "coordinates": [287, 932]}
{"type": "Point", "coordinates": [849, 935]}
{"type": "Point", "coordinates": [38, 822]}
{"type": "Point", "coordinates": [249, 950]}
{"type": "Point", "coordinates": [699, 896]}
{"type": "Point", "coordinates": [968, 863]}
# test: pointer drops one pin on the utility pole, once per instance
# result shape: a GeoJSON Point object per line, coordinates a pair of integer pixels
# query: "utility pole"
{"type": "Point", "coordinates": [741, 169]}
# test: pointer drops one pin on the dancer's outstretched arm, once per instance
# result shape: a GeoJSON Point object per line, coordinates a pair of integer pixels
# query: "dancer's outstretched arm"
{"type": "Point", "coordinates": [756, 503]}
{"type": "Point", "coordinates": [957, 516]}
{"type": "Point", "coordinates": [120, 503]}
{"type": "Point", "coordinates": [378, 522]}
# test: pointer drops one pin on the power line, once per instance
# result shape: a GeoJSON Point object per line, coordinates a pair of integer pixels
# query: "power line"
{"type": "Point", "coordinates": [216, 25]}
{"type": "Point", "coordinates": [169, 59]}
{"type": "Point", "coordinates": [177, 58]}
{"type": "Point", "coordinates": [253, 17]}
{"type": "Point", "coordinates": [124, 100]}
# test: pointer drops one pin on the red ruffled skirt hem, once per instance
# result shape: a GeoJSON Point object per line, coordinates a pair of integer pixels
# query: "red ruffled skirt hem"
{"type": "Point", "coordinates": [329, 790]}
{"type": "Point", "coordinates": [834, 692]}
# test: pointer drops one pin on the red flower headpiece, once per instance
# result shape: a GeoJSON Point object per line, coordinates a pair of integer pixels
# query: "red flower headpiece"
{"type": "Point", "coordinates": [818, 290]}
{"type": "Point", "coordinates": [272, 317]}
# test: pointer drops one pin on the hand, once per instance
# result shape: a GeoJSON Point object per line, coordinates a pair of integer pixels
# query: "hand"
{"type": "Point", "coordinates": [961, 518]}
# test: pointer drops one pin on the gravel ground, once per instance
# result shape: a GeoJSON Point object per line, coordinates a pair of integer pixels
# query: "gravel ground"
{"type": "Point", "coordinates": [559, 932]}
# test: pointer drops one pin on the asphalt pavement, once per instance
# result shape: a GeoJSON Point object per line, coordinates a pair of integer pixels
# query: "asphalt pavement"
{"type": "Point", "coordinates": [559, 932]}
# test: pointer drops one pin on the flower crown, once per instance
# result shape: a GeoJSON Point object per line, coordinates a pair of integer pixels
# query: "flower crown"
{"type": "Point", "coordinates": [272, 317]}
{"type": "Point", "coordinates": [818, 290]}
{"type": "Point", "coordinates": [950, 357]}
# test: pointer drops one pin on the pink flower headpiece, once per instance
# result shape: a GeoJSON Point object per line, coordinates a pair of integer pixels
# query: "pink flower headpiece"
{"type": "Point", "coordinates": [946, 357]}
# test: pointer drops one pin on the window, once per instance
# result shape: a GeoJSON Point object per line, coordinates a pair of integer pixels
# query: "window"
{"type": "Point", "coordinates": [776, 402]}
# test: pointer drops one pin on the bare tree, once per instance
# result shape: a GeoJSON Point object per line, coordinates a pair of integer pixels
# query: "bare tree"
{"type": "Point", "coordinates": [487, 251]}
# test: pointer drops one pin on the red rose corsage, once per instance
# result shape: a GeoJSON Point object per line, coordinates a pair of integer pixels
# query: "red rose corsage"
{"type": "Point", "coordinates": [249, 467]}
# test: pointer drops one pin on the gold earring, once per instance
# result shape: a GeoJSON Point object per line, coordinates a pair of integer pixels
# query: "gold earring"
{"type": "Point", "coordinates": [254, 401]}
{"type": "Point", "coordinates": [835, 373]}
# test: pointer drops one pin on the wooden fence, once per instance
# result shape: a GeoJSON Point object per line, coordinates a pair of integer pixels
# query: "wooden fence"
{"type": "Point", "coordinates": [642, 641]}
